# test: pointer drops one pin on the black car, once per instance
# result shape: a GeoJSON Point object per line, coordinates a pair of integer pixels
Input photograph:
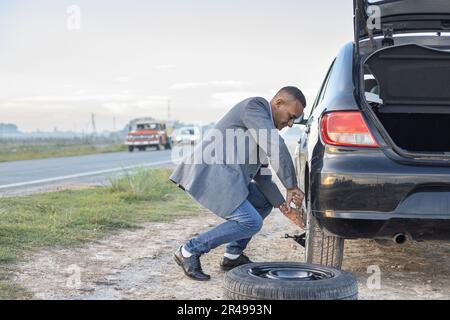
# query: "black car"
{"type": "Point", "coordinates": [374, 158]}
{"type": "Point", "coordinates": [374, 155]}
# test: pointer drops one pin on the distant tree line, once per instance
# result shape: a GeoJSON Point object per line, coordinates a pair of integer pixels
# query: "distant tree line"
{"type": "Point", "coordinates": [8, 128]}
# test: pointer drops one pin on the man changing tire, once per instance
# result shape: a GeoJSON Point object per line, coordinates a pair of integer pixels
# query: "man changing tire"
{"type": "Point", "coordinates": [232, 180]}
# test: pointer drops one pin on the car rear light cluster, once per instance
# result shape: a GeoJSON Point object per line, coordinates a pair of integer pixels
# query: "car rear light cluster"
{"type": "Point", "coordinates": [347, 128]}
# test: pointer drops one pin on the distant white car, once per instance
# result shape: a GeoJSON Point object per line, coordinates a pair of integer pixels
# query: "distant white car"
{"type": "Point", "coordinates": [186, 135]}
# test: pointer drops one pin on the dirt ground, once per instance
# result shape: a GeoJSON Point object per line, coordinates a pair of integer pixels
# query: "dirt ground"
{"type": "Point", "coordinates": [138, 264]}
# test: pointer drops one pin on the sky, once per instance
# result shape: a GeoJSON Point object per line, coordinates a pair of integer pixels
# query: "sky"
{"type": "Point", "coordinates": [61, 61]}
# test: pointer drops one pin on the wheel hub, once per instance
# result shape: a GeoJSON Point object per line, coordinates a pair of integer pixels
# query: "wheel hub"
{"type": "Point", "coordinates": [289, 273]}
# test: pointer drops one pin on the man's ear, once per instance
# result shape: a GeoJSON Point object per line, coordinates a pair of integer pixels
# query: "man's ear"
{"type": "Point", "coordinates": [278, 103]}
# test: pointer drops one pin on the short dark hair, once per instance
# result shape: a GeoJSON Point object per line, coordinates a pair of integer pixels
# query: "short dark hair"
{"type": "Point", "coordinates": [296, 93]}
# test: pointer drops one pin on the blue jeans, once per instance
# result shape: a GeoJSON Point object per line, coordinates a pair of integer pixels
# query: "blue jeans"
{"type": "Point", "coordinates": [241, 225]}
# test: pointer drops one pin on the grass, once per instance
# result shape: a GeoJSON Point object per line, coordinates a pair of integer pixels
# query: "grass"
{"type": "Point", "coordinates": [72, 217]}
{"type": "Point", "coordinates": [14, 152]}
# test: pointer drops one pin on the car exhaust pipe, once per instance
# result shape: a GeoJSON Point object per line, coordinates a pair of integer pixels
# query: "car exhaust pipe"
{"type": "Point", "coordinates": [400, 238]}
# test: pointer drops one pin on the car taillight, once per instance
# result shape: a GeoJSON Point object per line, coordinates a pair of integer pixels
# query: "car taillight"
{"type": "Point", "coordinates": [347, 128]}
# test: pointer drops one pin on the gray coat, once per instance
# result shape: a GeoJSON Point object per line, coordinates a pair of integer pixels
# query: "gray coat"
{"type": "Point", "coordinates": [223, 186]}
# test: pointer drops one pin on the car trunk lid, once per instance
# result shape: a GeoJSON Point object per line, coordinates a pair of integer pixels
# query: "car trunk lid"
{"type": "Point", "coordinates": [375, 17]}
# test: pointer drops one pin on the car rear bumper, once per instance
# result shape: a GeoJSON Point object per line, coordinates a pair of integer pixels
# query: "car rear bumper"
{"type": "Point", "coordinates": [365, 194]}
{"type": "Point", "coordinates": [377, 225]}
{"type": "Point", "coordinates": [142, 143]}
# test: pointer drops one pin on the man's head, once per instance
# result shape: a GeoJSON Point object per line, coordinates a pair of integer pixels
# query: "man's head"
{"type": "Point", "coordinates": [287, 105]}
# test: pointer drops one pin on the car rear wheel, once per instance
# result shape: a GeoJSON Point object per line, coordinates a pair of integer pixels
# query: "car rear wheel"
{"type": "Point", "coordinates": [130, 148]}
{"type": "Point", "coordinates": [321, 248]}
{"type": "Point", "coordinates": [289, 281]}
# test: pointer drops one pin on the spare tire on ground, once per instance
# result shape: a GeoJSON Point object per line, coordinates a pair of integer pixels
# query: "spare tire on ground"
{"type": "Point", "coordinates": [289, 281]}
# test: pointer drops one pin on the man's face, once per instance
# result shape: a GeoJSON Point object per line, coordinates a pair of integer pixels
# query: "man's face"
{"type": "Point", "coordinates": [285, 110]}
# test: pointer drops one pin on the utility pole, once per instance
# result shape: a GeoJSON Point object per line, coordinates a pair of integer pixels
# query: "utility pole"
{"type": "Point", "coordinates": [114, 134]}
{"type": "Point", "coordinates": [94, 129]}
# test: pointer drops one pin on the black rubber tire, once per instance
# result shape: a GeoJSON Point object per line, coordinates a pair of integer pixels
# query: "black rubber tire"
{"type": "Point", "coordinates": [321, 248]}
{"type": "Point", "coordinates": [130, 148]}
{"type": "Point", "coordinates": [239, 284]}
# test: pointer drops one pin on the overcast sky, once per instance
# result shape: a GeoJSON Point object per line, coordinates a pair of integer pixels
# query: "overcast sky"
{"type": "Point", "coordinates": [128, 58]}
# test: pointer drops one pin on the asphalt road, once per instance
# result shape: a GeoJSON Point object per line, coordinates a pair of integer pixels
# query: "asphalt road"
{"type": "Point", "coordinates": [41, 175]}
{"type": "Point", "coordinates": [30, 176]}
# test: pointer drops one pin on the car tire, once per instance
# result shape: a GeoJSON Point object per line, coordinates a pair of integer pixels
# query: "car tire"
{"type": "Point", "coordinates": [320, 247]}
{"type": "Point", "coordinates": [287, 281]}
{"type": "Point", "coordinates": [130, 148]}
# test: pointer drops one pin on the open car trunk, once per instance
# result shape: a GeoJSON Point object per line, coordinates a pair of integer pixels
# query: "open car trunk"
{"type": "Point", "coordinates": [408, 88]}
{"type": "Point", "coordinates": [416, 132]}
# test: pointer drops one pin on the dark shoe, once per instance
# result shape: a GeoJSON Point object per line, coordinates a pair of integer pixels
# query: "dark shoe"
{"type": "Point", "coordinates": [191, 266]}
{"type": "Point", "coordinates": [228, 264]}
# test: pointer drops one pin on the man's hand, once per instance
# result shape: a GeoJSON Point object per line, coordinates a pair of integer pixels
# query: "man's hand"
{"type": "Point", "coordinates": [294, 195]}
{"type": "Point", "coordinates": [292, 214]}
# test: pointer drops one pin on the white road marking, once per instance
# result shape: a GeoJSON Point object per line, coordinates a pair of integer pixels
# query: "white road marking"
{"type": "Point", "coordinates": [85, 174]}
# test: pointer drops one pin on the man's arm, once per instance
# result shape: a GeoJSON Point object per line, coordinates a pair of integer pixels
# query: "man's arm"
{"type": "Point", "coordinates": [276, 199]}
{"type": "Point", "coordinates": [269, 189]}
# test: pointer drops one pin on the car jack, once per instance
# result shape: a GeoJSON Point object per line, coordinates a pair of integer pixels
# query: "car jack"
{"type": "Point", "coordinates": [300, 238]}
